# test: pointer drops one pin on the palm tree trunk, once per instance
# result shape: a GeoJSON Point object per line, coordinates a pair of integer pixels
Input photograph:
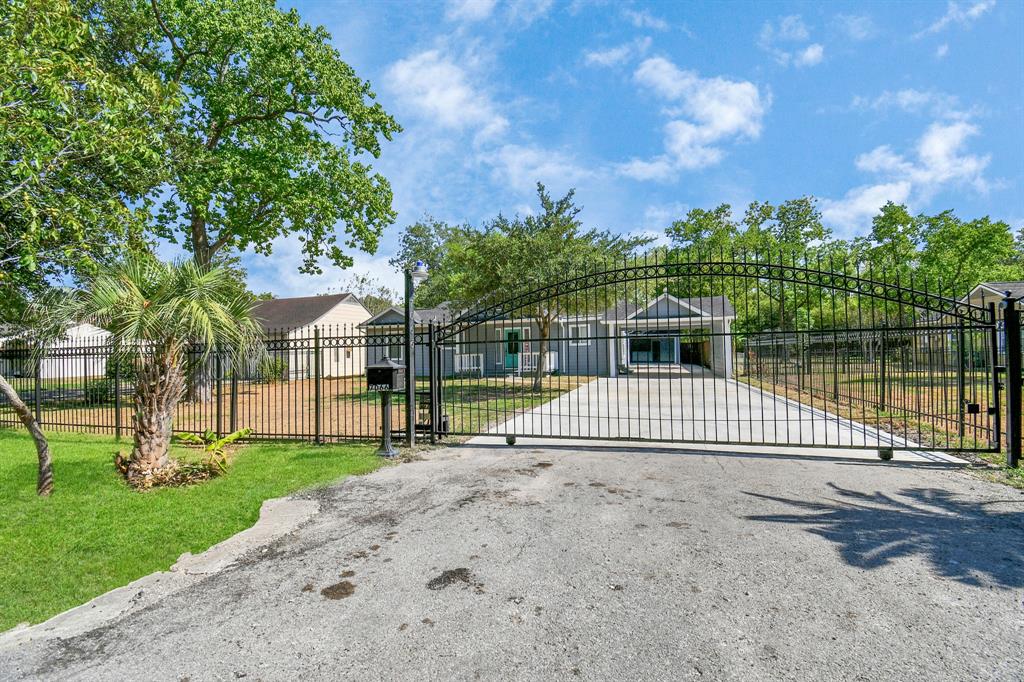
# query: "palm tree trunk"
{"type": "Point", "coordinates": [161, 383]}
{"type": "Point", "coordinates": [44, 483]}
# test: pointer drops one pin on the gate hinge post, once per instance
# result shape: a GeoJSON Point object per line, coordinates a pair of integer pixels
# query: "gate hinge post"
{"type": "Point", "coordinates": [1014, 379]}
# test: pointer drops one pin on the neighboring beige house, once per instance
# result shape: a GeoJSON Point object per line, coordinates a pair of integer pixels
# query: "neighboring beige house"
{"type": "Point", "coordinates": [337, 316]}
{"type": "Point", "coordinates": [65, 358]}
{"type": "Point", "coordinates": [993, 292]}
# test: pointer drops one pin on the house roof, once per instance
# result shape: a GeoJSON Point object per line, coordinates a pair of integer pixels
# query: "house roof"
{"type": "Point", "coordinates": [289, 313]}
{"type": "Point", "coordinates": [395, 315]}
{"type": "Point", "coordinates": [1016, 289]}
{"type": "Point", "coordinates": [716, 306]}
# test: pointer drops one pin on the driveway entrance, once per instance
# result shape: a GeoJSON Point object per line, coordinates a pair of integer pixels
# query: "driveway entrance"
{"type": "Point", "coordinates": [687, 404]}
{"type": "Point", "coordinates": [595, 563]}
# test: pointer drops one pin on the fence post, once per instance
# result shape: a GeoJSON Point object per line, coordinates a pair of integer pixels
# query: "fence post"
{"type": "Point", "coordinates": [234, 397]}
{"type": "Point", "coordinates": [316, 384]}
{"type": "Point", "coordinates": [117, 393]}
{"type": "Point", "coordinates": [835, 367]}
{"type": "Point", "coordinates": [881, 378]}
{"type": "Point", "coordinates": [961, 370]}
{"type": "Point", "coordinates": [37, 397]}
{"type": "Point", "coordinates": [219, 392]}
{"type": "Point", "coordinates": [432, 354]}
{"type": "Point", "coordinates": [997, 387]}
{"type": "Point", "coordinates": [1012, 333]}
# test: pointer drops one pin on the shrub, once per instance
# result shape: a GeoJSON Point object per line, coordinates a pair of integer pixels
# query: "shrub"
{"type": "Point", "coordinates": [99, 391]}
{"type": "Point", "coordinates": [272, 369]}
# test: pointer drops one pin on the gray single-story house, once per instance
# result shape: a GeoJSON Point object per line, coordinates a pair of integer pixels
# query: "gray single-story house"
{"type": "Point", "coordinates": [664, 332]}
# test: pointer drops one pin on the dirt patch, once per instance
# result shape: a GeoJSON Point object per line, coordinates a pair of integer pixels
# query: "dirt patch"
{"type": "Point", "coordinates": [543, 465]}
{"type": "Point", "coordinates": [339, 590]}
{"type": "Point", "coordinates": [455, 576]}
{"type": "Point", "coordinates": [597, 484]}
{"type": "Point", "coordinates": [308, 587]}
{"type": "Point", "coordinates": [677, 524]}
{"type": "Point", "coordinates": [347, 574]}
{"type": "Point", "coordinates": [374, 548]}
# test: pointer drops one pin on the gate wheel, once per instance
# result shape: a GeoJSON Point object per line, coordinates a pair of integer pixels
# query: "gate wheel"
{"type": "Point", "coordinates": [885, 453]}
{"type": "Point", "coordinates": [510, 440]}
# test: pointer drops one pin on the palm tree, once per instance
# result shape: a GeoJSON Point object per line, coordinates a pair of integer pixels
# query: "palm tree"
{"type": "Point", "coordinates": [166, 319]}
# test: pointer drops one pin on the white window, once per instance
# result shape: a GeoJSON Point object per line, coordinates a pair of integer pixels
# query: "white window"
{"type": "Point", "coordinates": [579, 334]}
{"type": "Point", "coordinates": [396, 351]}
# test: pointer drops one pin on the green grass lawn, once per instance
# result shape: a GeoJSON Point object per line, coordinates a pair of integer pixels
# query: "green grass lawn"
{"type": "Point", "coordinates": [94, 533]}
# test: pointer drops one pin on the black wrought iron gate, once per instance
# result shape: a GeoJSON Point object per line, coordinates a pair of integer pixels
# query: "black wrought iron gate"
{"type": "Point", "coordinates": [728, 350]}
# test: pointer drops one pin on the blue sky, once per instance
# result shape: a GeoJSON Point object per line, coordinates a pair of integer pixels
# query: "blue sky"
{"type": "Point", "coordinates": [649, 109]}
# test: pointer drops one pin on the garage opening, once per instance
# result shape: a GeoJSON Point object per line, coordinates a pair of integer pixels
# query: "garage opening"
{"type": "Point", "coordinates": [657, 350]}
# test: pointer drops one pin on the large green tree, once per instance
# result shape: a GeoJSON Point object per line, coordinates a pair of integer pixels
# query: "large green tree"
{"type": "Point", "coordinates": [514, 256]}
{"type": "Point", "coordinates": [273, 132]}
{"type": "Point", "coordinates": [80, 151]}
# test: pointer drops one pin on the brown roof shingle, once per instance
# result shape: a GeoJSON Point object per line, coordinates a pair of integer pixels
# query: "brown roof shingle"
{"type": "Point", "coordinates": [291, 313]}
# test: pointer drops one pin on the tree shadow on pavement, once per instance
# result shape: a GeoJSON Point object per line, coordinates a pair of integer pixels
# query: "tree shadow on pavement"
{"type": "Point", "coordinates": [974, 542]}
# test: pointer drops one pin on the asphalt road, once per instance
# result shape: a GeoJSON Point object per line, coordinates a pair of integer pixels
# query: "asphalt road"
{"type": "Point", "coordinates": [600, 563]}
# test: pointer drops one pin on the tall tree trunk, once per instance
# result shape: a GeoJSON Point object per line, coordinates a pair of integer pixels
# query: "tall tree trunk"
{"type": "Point", "coordinates": [160, 386]}
{"type": "Point", "coordinates": [544, 331]}
{"type": "Point", "coordinates": [202, 253]}
{"type": "Point", "coordinates": [44, 484]}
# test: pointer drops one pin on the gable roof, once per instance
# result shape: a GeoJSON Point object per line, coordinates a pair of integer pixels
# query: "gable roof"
{"type": "Point", "coordinates": [715, 306]}
{"type": "Point", "coordinates": [1016, 289]}
{"type": "Point", "coordinates": [395, 315]}
{"type": "Point", "coordinates": [290, 313]}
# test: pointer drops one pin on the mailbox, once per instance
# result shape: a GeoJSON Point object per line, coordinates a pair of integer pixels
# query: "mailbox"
{"type": "Point", "coordinates": [386, 376]}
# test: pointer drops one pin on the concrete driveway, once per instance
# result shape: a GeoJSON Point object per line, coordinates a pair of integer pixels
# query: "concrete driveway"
{"type": "Point", "coordinates": [598, 563]}
{"type": "Point", "coordinates": [688, 405]}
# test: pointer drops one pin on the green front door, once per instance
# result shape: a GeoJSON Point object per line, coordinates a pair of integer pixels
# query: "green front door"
{"type": "Point", "coordinates": [512, 340]}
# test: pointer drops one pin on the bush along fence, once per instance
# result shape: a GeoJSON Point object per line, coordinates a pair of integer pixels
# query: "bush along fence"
{"type": "Point", "coordinates": [309, 384]}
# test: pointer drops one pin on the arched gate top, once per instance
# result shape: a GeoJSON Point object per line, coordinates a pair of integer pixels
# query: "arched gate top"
{"type": "Point", "coordinates": [922, 301]}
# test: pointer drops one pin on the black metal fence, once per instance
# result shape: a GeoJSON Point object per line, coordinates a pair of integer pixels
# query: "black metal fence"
{"type": "Point", "coordinates": [721, 351]}
{"type": "Point", "coordinates": [309, 385]}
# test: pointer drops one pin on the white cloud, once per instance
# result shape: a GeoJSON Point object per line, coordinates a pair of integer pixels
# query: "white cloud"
{"type": "Point", "coordinates": [435, 87]}
{"type": "Point", "coordinates": [525, 12]}
{"type": "Point", "coordinates": [659, 169]}
{"type": "Point", "coordinates": [614, 56]}
{"type": "Point", "coordinates": [715, 109]}
{"type": "Point", "coordinates": [468, 10]}
{"type": "Point", "coordinates": [958, 14]}
{"type": "Point", "coordinates": [938, 160]}
{"type": "Point", "coordinates": [910, 100]}
{"type": "Point", "coordinates": [856, 27]}
{"type": "Point", "coordinates": [791, 29]}
{"type": "Point", "coordinates": [854, 211]}
{"type": "Point", "coordinates": [522, 166]}
{"type": "Point", "coordinates": [644, 19]}
{"type": "Point", "coordinates": [809, 56]}
{"type": "Point", "coordinates": [942, 50]}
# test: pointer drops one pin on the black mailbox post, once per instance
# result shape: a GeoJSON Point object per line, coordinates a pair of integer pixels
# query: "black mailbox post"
{"type": "Point", "coordinates": [386, 377]}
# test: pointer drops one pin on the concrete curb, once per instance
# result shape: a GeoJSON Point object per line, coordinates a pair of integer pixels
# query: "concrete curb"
{"type": "Point", "coordinates": [278, 517]}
